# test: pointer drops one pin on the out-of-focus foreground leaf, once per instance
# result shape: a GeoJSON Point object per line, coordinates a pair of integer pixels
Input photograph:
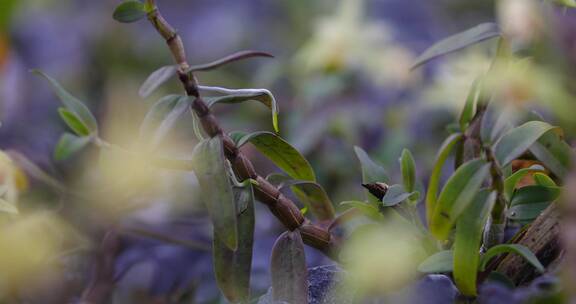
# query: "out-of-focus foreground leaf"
{"type": "Point", "coordinates": [459, 41]}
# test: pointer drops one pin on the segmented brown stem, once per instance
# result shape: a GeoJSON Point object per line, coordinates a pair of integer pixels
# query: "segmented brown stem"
{"type": "Point", "coordinates": [284, 209]}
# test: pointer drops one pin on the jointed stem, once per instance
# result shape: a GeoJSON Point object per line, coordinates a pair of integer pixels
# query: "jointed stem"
{"type": "Point", "coordinates": [281, 206]}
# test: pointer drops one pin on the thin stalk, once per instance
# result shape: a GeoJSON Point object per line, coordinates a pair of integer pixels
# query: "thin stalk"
{"type": "Point", "coordinates": [284, 209]}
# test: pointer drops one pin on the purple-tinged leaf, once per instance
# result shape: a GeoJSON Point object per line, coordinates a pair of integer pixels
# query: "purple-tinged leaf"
{"type": "Point", "coordinates": [459, 41]}
{"type": "Point", "coordinates": [232, 268]}
{"type": "Point", "coordinates": [217, 193]}
{"type": "Point", "coordinates": [288, 269]}
{"type": "Point", "coordinates": [228, 59]}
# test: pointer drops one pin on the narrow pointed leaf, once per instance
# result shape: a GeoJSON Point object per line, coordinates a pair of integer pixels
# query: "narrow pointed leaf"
{"type": "Point", "coordinates": [535, 194]}
{"type": "Point", "coordinates": [288, 269]}
{"type": "Point", "coordinates": [530, 201]}
{"type": "Point", "coordinates": [553, 152]}
{"type": "Point", "coordinates": [161, 118]}
{"type": "Point", "coordinates": [457, 195]}
{"type": "Point", "coordinates": [73, 122]}
{"type": "Point", "coordinates": [516, 141]}
{"type": "Point", "coordinates": [217, 194]}
{"type": "Point", "coordinates": [408, 168]}
{"type": "Point", "coordinates": [470, 106]}
{"type": "Point", "coordinates": [156, 79]}
{"type": "Point", "coordinates": [459, 41]}
{"type": "Point", "coordinates": [511, 248]}
{"type": "Point", "coordinates": [198, 132]}
{"type": "Point", "coordinates": [232, 268]}
{"type": "Point", "coordinates": [511, 182]}
{"type": "Point", "coordinates": [468, 240]}
{"type": "Point", "coordinates": [544, 180]}
{"type": "Point", "coordinates": [440, 262]}
{"type": "Point", "coordinates": [236, 136]}
{"type": "Point", "coordinates": [315, 199]}
{"type": "Point", "coordinates": [434, 183]}
{"type": "Point", "coordinates": [72, 103]}
{"type": "Point", "coordinates": [129, 11]}
{"type": "Point", "coordinates": [281, 153]}
{"type": "Point", "coordinates": [241, 95]}
{"type": "Point", "coordinates": [496, 121]}
{"type": "Point", "coordinates": [526, 212]}
{"type": "Point", "coordinates": [371, 172]}
{"type": "Point", "coordinates": [228, 59]}
{"type": "Point", "coordinates": [68, 145]}
{"type": "Point", "coordinates": [396, 194]}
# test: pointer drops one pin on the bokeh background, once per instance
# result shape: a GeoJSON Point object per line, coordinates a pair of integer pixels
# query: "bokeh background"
{"type": "Point", "coordinates": [341, 75]}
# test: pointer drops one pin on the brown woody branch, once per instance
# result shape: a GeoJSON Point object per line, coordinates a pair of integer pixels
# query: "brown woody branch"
{"type": "Point", "coordinates": [282, 207]}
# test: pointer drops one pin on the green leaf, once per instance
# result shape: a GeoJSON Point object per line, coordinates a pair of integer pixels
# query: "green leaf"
{"type": "Point", "coordinates": [459, 41]}
{"type": "Point", "coordinates": [236, 136]}
{"type": "Point", "coordinates": [544, 180]}
{"type": "Point", "coordinates": [72, 103]}
{"type": "Point", "coordinates": [408, 168]}
{"type": "Point", "coordinates": [129, 11]}
{"type": "Point", "coordinates": [162, 117]}
{"type": "Point", "coordinates": [529, 202]}
{"type": "Point", "coordinates": [73, 122]}
{"type": "Point", "coordinates": [511, 182]}
{"type": "Point", "coordinates": [456, 196]}
{"type": "Point", "coordinates": [310, 193]}
{"type": "Point", "coordinates": [553, 152]}
{"type": "Point", "coordinates": [511, 248]}
{"type": "Point", "coordinates": [315, 199]}
{"type": "Point", "coordinates": [68, 145]}
{"type": "Point", "coordinates": [198, 132]}
{"type": "Point", "coordinates": [440, 262]}
{"type": "Point", "coordinates": [156, 79]}
{"type": "Point", "coordinates": [226, 60]}
{"type": "Point", "coordinates": [496, 121]}
{"type": "Point", "coordinates": [241, 95]}
{"type": "Point", "coordinates": [516, 141]}
{"type": "Point", "coordinates": [470, 106]}
{"type": "Point", "coordinates": [371, 172]}
{"type": "Point", "coordinates": [434, 183]}
{"type": "Point", "coordinates": [281, 153]}
{"type": "Point", "coordinates": [232, 268]}
{"type": "Point", "coordinates": [535, 194]}
{"type": "Point", "coordinates": [526, 212]}
{"type": "Point", "coordinates": [369, 210]}
{"type": "Point", "coordinates": [396, 194]}
{"type": "Point", "coordinates": [288, 269]}
{"type": "Point", "coordinates": [468, 239]}
{"type": "Point", "coordinates": [217, 194]}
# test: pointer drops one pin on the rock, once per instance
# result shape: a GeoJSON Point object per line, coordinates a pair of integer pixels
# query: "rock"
{"type": "Point", "coordinates": [323, 284]}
